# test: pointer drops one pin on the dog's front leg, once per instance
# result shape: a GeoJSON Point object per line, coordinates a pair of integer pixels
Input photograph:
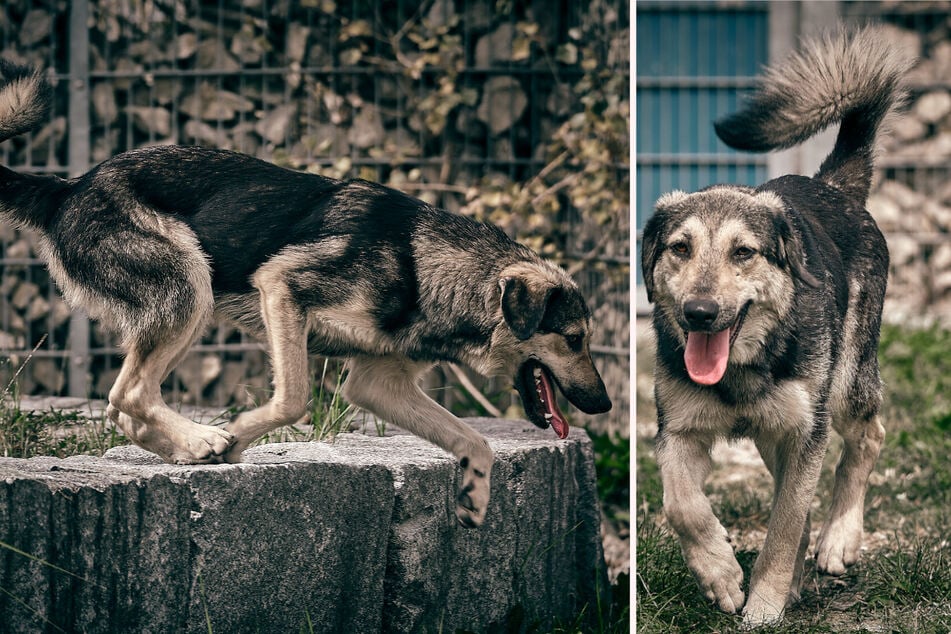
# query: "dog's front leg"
{"type": "Point", "coordinates": [387, 387]}
{"type": "Point", "coordinates": [684, 461]}
{"type": "Point", "coordinates": [795, 463]}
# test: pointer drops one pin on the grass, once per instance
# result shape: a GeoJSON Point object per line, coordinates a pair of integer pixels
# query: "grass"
{"type": "Point", "coordinates": [903, 581]}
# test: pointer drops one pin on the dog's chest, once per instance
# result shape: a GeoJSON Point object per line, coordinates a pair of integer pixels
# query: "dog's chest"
{"type": "Point", "coordinates": [786, 406]}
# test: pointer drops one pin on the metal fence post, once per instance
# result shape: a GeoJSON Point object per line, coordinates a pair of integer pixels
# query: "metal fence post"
{"type": "Point", "coordinates": [78, 141]}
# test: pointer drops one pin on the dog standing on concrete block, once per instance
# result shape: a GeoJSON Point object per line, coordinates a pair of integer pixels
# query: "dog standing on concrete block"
{"type": "Point", "coordinates": [155, 241]}
{"type": "Point", "coordinates": [767, 310]}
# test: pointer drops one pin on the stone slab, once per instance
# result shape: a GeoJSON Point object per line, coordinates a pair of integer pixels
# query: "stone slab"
{"type": "Point", "coordinates": [357, 535]}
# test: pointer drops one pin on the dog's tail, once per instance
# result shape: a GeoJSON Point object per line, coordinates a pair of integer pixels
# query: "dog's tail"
{"type": "Point", "coordinates": [25, 100]}
{"type": "Point", "coordinates": [848, 75]}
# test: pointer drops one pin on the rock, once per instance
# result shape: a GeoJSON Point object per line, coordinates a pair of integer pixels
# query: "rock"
{"type": "Point", "coordinates": [18, 250]}
{"type": "Point", "coordinates": [495, 47]}
{"type": "Point", "coordinates": [619, 54]}
{"type": "Point", "coordinates": [167, 90]}
{"type": "Point", "coordinates": [201, 132]}
{"type": "Point", "coordinates": [938, 214]}
{"type": "Point", "coordinates": [933, 106]}
{"type": "Point", "coordinates": [908, 41]}
{"type": "Point", "coordinates": [477, 14]}
{"type": "Point", "coordinates": [212, 54]}
{"type": "Point", "coordinates": [38, 309]}
{"type": "Point", "coordinates": [275, 126]}
{"type": "Point", "coordinates": [106, 380]}
{"type": "Point", "coordinates": [941, 61]}
{"type": "Point", "coordinates": [36, 27]}
{"type": "Point", "coordinates": [902, 249]}
{"type": "Point", "coordinates": [24, 294]}
{"type": "Point", "coordinates": [296, 47]}
{"type": "Point", "coordinates": [186, 45]}
{"type": "Point", "coordinates": [441, 13]}
{"type": "Point", "coordinates": [153, 121]}
{"type": "Point", "coordinates": [60, 312]}
{"type": "Point", "coordinates": [354, 536]}
{"type": "Point", "coordinates": [197, 372]}
{"type": "Point", "coordinates": [887, 213]}
{"type": "Point", "coordinates": [50, 135]}
{"type": "Point", "coordinates": [246, 46]}
{"type": "Point", "coordinates": [104, 103]}
{"type": "Point", "coordinates": [560, 101]}
{"type": "Point", "coordinates": [10, 342]}
{"type": "Point", "coordinates": [366, 129]}
{"type": "Point", "coordinates": [47, 373]}
{"type": "Point", "coordinates": [503, 102]}
{"type": "Point", "coordinates": [906, 129]}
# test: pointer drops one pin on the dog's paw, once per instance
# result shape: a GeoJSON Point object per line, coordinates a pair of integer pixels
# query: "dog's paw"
{"type": "Point", "coordinates": [204, 445]}
{"type": "Point", "coordinates": [235, 454]}
{"type": "Point", "coordinates": [838, 547]}
{"type": "Point", "coordinates": [761, 611]}
{"type": "Point", "coordinates": [473, 498]}
{"type": "Point", "coordinates": [719, 575]}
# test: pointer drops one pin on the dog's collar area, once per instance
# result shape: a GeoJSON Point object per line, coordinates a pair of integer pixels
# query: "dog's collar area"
{"type": "Point", "coordinates": [539, 399]}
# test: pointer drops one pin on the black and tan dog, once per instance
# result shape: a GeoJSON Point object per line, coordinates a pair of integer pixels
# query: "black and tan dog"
{"type": "Point", "coordinates": [155, 241]}
{"type": "Point", "coordinates": [767, 308]}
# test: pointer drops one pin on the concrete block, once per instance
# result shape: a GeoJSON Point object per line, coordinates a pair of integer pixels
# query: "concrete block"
{"type": "Point", "coordinates": [357, 535]}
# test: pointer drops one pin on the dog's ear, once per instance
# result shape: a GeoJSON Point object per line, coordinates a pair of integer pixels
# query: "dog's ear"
{"type": "Point", "coordinates": [524, 304]}
{"type": "Point", "coordinates": [789, 251]}
{"type": "Point", "coordinates": [650, 251]}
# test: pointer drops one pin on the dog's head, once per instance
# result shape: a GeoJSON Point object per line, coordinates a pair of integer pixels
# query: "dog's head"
{"type": "Point", "coordinates": [721, 266]}
{"type": "Point", "coordinates": [543, 339]}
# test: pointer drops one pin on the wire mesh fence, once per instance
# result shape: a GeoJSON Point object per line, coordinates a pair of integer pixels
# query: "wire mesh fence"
{"type": "Point", "coordinates": [446, 100]}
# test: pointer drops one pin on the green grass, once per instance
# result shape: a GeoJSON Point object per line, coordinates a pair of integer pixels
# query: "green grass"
{"type": "Point", "coordinates": [903, 584]}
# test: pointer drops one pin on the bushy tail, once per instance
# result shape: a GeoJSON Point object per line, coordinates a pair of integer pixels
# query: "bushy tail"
{"type": "Point", "coordinates": [849, 76]}
{"type": "Point", "coordinates": [25, 97]}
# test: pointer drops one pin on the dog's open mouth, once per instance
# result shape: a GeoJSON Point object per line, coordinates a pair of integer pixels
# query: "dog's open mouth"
{"type": "Point", "coordinates": [707, 354]}
{"type": "Point", "coordinates": [536, 387]}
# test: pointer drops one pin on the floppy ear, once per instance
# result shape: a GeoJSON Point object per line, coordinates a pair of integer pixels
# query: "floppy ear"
{"type": "Point", "coordinates": [523, 305]}
{"type": "Point", "coordinates": [789, 251]}
{"type": "Point", "coordinates": [650, 251]}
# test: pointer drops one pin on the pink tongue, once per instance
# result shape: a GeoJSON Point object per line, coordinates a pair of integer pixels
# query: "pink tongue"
{"type": "Point", "coordinates": [706, 356]}
{"type": "Point", "coordinates": [550, 402]}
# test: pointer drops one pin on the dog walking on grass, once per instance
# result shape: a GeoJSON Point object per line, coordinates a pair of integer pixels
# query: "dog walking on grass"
{"type": "Point", "coordinates": [155, 241]}
{"type": "Point", "coordinates": [767, 310]}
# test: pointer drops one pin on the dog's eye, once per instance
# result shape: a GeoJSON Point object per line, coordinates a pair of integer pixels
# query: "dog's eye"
{"type": "Point", "coordinates": [743, 253]}
{"type": "Point", "coordinates": [575, 342]}
{"type": "Point", "coordinates": [680, 248]}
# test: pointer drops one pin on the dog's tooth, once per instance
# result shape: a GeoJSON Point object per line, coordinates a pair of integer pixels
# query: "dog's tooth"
{"type": "Point", "coordinates": [537, 372]}
{"type": "Point", "coordinates": [547, 416]}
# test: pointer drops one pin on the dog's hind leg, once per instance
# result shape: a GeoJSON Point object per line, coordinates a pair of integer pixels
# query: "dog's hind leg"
{"type": "Point", "coordinates": [387, 387]}
{"type": "Point", "coordinates": [151, 424]}
{"type": "Point", "coordinates": [841, 537]}
{"type": "Point", "coordinates": [285, 323]}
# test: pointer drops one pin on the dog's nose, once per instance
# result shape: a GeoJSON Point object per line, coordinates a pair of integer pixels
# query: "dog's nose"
{"type": "Point", "coordinates": [701, 313]}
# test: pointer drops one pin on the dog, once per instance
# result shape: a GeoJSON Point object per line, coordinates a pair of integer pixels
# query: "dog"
{"type": "Point", "coordinates": [767, 308]}
{"type": "Point", "coordinates": [155, 241]}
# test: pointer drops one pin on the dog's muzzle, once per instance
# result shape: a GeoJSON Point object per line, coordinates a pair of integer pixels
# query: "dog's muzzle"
{"type": "Point", "coordinates": [536, 386]}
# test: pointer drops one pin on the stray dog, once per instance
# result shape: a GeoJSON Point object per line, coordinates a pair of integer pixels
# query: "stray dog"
{"type": "Point", "coordinates": [767, 311]}
{"type": "Point", "coordinates": [154, 241]}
